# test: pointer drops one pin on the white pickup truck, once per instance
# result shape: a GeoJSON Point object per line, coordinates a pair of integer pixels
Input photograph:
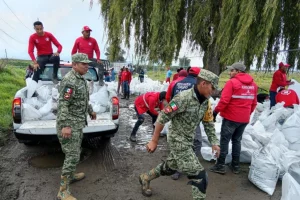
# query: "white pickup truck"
{"type": "Point", "coordinates": [33, 131]}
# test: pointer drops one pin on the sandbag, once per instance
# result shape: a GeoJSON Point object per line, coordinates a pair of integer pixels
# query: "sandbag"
{"type": "Point", "coordinates": [100, 97]}
{"type": "Point", "coordinates": [43, 93]}
{"type": "Point", "coordinates": [34, 102]}
{"type": "Point", "coordinates": [165, 129]}
{"type": "Point", "coordinates": [31, 87]}
{"type": "Point", "coordinates": [29, 113]}
{"type": "Point", "coordinates": [291, 127]}
{"type": "Point", "coordinates": [46, 109]}
{"type": "Point", "coordinates": [264, 171]}
{"type": "Point", "coordinates": [290, 188]}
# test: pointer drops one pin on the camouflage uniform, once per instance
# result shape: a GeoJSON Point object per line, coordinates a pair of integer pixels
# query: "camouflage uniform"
{"type": "Point", "coordinates": [185, 113]}
{"type": "Point", "coordinates": [73, 108]}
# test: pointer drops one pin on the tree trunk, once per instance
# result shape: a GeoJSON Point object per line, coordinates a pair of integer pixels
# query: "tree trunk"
{"type": "Point", "coordinates": [211, 59]}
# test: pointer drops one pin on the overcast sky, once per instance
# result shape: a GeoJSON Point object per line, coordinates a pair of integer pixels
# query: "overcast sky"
{"type": "Point", "coordinates": [64, 19]}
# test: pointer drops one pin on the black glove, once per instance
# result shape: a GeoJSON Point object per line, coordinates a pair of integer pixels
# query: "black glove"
{"type": "Point", "coordinates": [215, 115]}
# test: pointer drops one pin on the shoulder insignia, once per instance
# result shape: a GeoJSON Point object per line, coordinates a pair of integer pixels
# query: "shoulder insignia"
{"type": "Point", "coordinates": [170, 108]}
{"type": "Point", "coordinates": [68, 93]}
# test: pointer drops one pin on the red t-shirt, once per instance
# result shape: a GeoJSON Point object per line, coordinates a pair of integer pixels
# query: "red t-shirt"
{"type": "Point", "coordinates": [289, 97]}
{"type": "Point", "coordinates": [87, 46]}
{"type": "Point", "coordinates": [43, 44]}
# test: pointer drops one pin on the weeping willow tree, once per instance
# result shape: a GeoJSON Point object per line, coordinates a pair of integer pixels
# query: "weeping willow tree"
{"type": "Point", "coordinates": [226, 31]}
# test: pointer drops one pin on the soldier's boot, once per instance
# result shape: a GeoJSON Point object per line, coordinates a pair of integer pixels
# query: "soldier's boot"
{"type": "Point", "coordinates": [77, 177]}
{"type": "Point", "coordinates": [64, 193]}
{"type": "Point", "coordinates": [145, 181]}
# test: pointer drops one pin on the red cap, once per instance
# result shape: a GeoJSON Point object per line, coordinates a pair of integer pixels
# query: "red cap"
{"type": "Point", "coordinates": [281, 64]}
{"type": "Point", "coordinates": [194, 70]}
{"type": "Point", "coordinates": [86, 28]}
{"type": "Point", "coordinates": [183, 73]}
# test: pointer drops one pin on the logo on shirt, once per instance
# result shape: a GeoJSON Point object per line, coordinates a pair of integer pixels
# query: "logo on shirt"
{"type": "Point", "coordinates": [90, 43]}
{"type": "Point", "coordinates": [36, 40]}
{"type": "Point", "coordinates": [285, 92]}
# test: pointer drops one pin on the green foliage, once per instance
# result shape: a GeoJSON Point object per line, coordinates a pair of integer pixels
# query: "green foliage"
{"type": "Point", "coordinates": [184, 62]}
{"type": "Point", "coordinates": [227, 31]}
{"type": "Point", "coordinates": [120, 57]}
{"type": "Point", "coordinates": [12, 79]}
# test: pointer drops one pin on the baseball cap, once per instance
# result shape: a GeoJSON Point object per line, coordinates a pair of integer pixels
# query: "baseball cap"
{"type": "Point", "coordinates": [281, 64]}
{"type": "Point", "coordinates": [194, 70]}
{"type": "Point", "coordinates": [80, 57]}
{"type": "Point", "coordinates": [237, 66]}
{"type": "Point", "coordinates": [86, 28]}
{"type": "Point", "coordinates": [210, 77]}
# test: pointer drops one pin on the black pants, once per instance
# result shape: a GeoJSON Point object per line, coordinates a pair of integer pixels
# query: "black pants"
{"type": "Point", "coordinates": [231, 130]}
{"type": "Point", "coordinates": [100, 68]}
{"type": "Point", "coordinates": [42, 60]}
{"type": "Point", "coordinates": [141, 119]}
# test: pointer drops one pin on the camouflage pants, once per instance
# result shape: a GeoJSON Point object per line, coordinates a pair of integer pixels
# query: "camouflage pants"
{"type": "Point", "coordinates": [186, 162]}
{"type": "Point", "coordinates": [72, 149]}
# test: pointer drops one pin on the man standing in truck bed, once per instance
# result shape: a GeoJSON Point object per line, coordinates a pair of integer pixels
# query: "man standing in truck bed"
{"type": "Point", "coordinates": [86, 44]}
{"type": "Point", "coordinates": [73, 108]}
{"type": "Point", "coordinates": [42, 41]}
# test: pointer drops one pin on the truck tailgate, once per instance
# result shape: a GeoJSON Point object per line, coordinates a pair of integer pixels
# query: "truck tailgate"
{"type": "Point", "coordinates": [48, 127]}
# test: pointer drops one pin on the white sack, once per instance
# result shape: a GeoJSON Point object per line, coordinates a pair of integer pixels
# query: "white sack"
{"type": "Point", "coordinates": [46, 109]}
{"type": "Point", "coordinates": [100, 97]}
{"type": "Point", "coordinates": [30, 113]}
{"type": "Point", "coordinates": [33, 101]}
{"type": "Point", "coordinates": [291, 127]}
{"type": "Point", "coordinates": [290, 188]}
{"type": "Point", "coordinates": [264, 171]}
{"type": "Point", "coordinates": [49, 116]}
{"type": "Point", "coordinates": [43, 93]}
{"type": "Point", "coordinates": [55, 94]}
{"type": "Point", "coordinates": [31, 87]}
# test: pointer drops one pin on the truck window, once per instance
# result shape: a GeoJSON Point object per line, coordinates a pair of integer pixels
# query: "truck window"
{"type": "Point", "coordinates": [62, 71]}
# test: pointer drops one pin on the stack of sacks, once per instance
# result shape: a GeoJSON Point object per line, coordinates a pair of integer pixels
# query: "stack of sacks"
{"type": "Point", "coordinates": [137, 88]}
{"type": "Point", "coordinates": [44, 100]}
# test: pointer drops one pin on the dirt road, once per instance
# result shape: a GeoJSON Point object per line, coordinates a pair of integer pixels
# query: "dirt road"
{"type": "Point", "coordinates": [112, 169]}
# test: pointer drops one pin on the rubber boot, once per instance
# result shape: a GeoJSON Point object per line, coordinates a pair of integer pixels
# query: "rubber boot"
{"type": "Point", "coordinates": [134, 130]}
{"type": "Point", "coordinates": [64, 193]}
{"type": "Point", "coordinates": [77, 177]}
{"type": "Point", "coordinates": [146, 178]}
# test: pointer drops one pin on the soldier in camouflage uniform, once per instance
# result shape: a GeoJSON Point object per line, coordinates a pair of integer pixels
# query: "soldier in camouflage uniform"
{"type": "Point", "coordinates": [185, 111]}
{"type": "Point", "coordinates": [72, 113]}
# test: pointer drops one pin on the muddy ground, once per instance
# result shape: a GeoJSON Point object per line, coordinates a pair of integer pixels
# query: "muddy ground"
{"type": "Point", "coordinates": [112, 169]}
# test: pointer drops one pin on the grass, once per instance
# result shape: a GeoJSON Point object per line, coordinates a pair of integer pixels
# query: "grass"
{"type": "Point", "coordinates": [11, 80]}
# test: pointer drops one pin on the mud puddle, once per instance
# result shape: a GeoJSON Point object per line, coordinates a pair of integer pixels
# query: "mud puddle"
{"type": "Point", "coordinates": [55, 159]}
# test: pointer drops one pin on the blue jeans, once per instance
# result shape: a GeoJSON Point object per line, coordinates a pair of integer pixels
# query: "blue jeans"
{"type": "Point", "coordinates": [272, 98]}
{"type": "Point", "coordinates": [126, 87]}
{"type": "Point", "coordinates": [231, 130]}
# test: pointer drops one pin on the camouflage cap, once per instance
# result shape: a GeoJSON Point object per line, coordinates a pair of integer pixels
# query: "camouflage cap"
{"type": "Point", "coordinates": [80, 57]}
{"type": "Point", "coordinates": [210, 77]}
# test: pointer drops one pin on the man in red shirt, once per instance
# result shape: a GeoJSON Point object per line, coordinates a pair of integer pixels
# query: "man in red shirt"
{"type": "Point", "coordinates": [237, 102]}
{"type": "Point", "coordinates": [88, 45]}
{"type": "Point", "coordinates": [279, 80]}
{"type": "Point", "coordinates": [42, 41]}
{"type": "Point", "coordinates": [126, 79]}
{"type": "Point", "coordinates": [146, 103]}
{"type": "Point", "coordinates": [288, 96]}
{"type": "Point", "coordinates": [181, 75]}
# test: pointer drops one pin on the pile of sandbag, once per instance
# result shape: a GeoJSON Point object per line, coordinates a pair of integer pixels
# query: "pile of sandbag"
{"type": "Point", "coordinates": [40, 101]}
{"type": "Point", "coordinates": [149, 85]}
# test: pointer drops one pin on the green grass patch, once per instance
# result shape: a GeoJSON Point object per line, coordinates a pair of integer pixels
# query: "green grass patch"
{"type": "Point", "coordinates": [11, 80]}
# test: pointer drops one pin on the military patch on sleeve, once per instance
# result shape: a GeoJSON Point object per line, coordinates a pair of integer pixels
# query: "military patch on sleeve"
{"type": "Point", "coordinates": [173, 106]}
{"type": "Point", "coordinates": [68, 93]}
{"type": "Point", "coordinates": [170, 108]}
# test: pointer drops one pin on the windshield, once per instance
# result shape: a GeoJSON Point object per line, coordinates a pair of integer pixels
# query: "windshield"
{"type": "Point", "coordinates": [62, 71]}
